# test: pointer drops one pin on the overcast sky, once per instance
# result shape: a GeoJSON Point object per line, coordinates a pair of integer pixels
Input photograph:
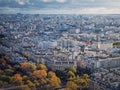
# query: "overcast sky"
{"type": "Point", "coordinates": [61, 6]}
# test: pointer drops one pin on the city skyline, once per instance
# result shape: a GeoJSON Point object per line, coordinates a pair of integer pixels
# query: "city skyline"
{"type": "Point", "coordinates": [60, 6]}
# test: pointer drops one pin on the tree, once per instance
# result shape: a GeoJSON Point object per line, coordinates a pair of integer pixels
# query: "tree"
{"type": "Point", "coordinates": [71, 74]}
{"type": "Point", "coordinates": [33, 66]}
{"type": "Point", "coordinates": [25, 87]}
{"type": "Point", "coordinates": [25, 78]}
{"type": "Point", "coordinates": [71, 85]}
{"type": "Point", "coordinates": [81, 82]}
{"type": "Point", "coordinates": [42, 67]}
{"type": "Point", "coordinates": [86, 76]}
{"type": "Point", "coordinates": [5, 78]}
{"type": "Point", "coordinates": [54, 82]}
{"type": "Point", "coordinates": [40, 74]}
{"type": "Point", "coordinates": [2, 72]}
{"type": "Point", "coordinates": [3, 83]}
{"type": "Point", "coordinates": [36, 83]}
{"type": "Point", "coordinates": [31, 85]}
{"type": "Point", "coordinates": [77, 82]}
{"type": "Point", "coordinates": [16, 79]}
{"type": "Point", "coordinates": [40, 78]}
{"type": "Point", "coordinates": [62, 75]}
{"type": "Point", "coordinates": [9, 72]}
{"type": "Point", "coordinates": [24, 65]}
{"type": "Point", "coordinates": [28, 66]}
{"type": "Point", "coordinates": [73, 69]}
{"type": "Point", "coordinates": [51, 74]}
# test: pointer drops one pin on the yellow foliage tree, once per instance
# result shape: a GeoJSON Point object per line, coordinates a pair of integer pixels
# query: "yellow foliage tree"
{"type": "Point", "coordinates": [42, 67]}
{"type": "Point", "coordinates": [51, 74]}
{"type": "Point", "coordinates": [85, 76]}
{"type": "Point", "coordinates": [25, 87]}
{"type": "Point", "coordinates": [73, 69]}
{"type": "Point", "coordinates": [71, 85]}
{"type": "Point", "coordinates": [30, 84]}
{"type": "Point", "coordinates": [81, 82]}
{"type": "Point", "coordinates": [36, 83]}
{"type": "Point", "coordinates": [71, 74]}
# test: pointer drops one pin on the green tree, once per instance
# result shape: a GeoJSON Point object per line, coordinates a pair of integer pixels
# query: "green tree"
{"type": "Point", "coordinates": [5, 78]}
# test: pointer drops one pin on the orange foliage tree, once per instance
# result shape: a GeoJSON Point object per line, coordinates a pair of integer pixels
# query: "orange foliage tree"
{"type": "Point", "coordinates": [27, 66]}
{"type": "Point", "coordinates": [16, 79]}
{"type": "Point", "coordinates": [40, 74]}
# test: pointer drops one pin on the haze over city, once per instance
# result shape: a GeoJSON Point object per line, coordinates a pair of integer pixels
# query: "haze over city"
{"type": "Point", "coordinates": [60, 6]}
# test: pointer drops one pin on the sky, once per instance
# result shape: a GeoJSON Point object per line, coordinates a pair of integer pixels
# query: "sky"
{"type": "Point", "coordinates": [60, 6]}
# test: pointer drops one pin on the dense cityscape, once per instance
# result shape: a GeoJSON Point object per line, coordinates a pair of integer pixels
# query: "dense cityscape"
{"type": "Point", "coordinates": [61, 41]}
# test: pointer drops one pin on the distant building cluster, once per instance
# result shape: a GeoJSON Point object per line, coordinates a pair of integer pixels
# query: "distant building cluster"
{"type": "Point", "coordinates": [63, 41]}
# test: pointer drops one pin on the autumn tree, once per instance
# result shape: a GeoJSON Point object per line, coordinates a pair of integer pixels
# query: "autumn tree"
{"type": "Point", "coordinates": [25, 78]}
{"type": "Point", "coordinates": [36, 82]}
{"type": "Point", "coordinates": [42, 67]}
{"type": "Point", "coordinates": [73, 69]}
{"type": "Point", "coordinates": [31, 85]}
{"type": "Point", "coordinates": [71, 86]}
{"type": "Point", "coordinates": [24, 87]}
{"type": "Point", "coordinates": [54, 82]}
{"type": "Point", "coordinates": [51, 74]}
{"type": "Point", "coordinates": [86, 78]}
{"type": "Point", "coordinates": [75, 82]}
{"type": "Point", "coordinates": [40, 74]}
{"type": "Point", "coordinates": [41, 78]}
{"type": "Point", "coordinates": [25, 66]}
{"type": "Point", "coordinates": [16, 79]}
{"type": "Point", "coordinates": [71, 74]}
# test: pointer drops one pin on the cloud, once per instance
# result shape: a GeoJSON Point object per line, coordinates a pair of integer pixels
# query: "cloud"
{"type": "Point", "coordinates": [22, 2]}
{"type": "Point", "coordinates": [61, 1]}
{"type": "Point", "coordinates": [47, 1]}
{"type": "Point", "coordinates": [61, 6]}
{"type": "Point", "coordinates": [58, 1]}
